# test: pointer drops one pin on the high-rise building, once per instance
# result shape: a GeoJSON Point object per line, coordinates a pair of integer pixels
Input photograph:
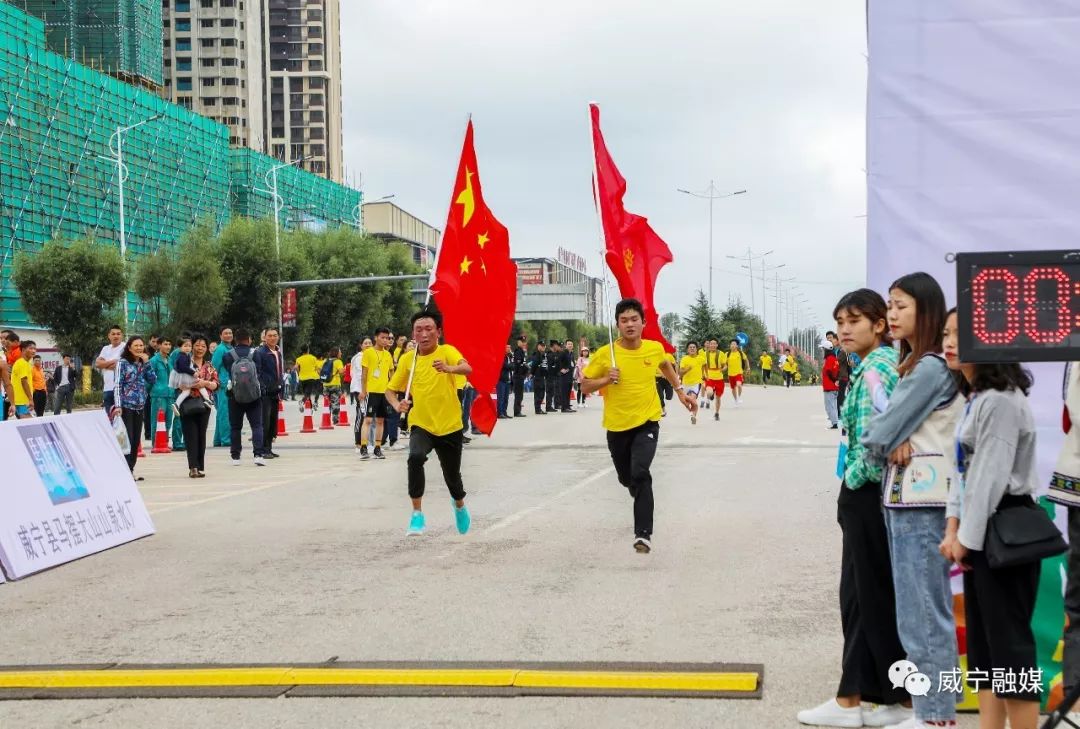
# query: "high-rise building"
{"type": "Point", "coordinates": [214, 64]}
{"type": "Point", "coordinates": [303, 83]}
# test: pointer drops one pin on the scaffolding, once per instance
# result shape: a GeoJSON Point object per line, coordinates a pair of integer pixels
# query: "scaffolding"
{"type": "Point", "coordinates": [120, 37]}
{"type": "Point", "coordinates": [57, 181]}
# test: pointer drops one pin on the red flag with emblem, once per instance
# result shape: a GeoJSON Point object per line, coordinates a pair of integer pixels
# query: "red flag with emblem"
{"type": "Point", "coordinates": [475, 285]}
{"type": "Point", "coordinates": [635, 253]}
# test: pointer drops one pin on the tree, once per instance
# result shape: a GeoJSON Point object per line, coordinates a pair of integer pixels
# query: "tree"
{"type": "Point", "coordinates": [250, 266]}
{"type": "Point", "coordinates": [154, 275]}
{"type": "Point", "coordinates": [197, 295]}
{"type": "Point", "coordinates": [701, 321]}
{"type": "Point", "coordinates": [70, 289]}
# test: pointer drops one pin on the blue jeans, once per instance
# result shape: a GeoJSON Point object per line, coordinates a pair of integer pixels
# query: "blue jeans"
{"type": "Point", "coordinates": [924, 605]}
{"type": "Point", "coordinates": [831, 409]}
{"type": "Point", "coordinates": [469, 394]}
{"type": "Point", "coordinates": [108, 401]}
{"type": "Point", "coordinates": [502, 394]}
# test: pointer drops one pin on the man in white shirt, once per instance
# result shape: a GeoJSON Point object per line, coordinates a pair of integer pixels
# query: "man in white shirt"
{"type": "Point", "coordinates": [355, 388]}
{"type": "Point", "coordinates": [106, 362]}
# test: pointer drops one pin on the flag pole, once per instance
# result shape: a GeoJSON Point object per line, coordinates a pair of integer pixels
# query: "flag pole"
{"type": "Point", "coordinates": [600, 223]}
{"type": "Point", "coordinates": [435, 266]}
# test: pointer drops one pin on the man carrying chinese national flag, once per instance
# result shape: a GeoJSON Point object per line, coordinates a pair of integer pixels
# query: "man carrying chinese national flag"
{"type": "Point", "coordinates": [632, 409]}
{"type": "Point", "coordinates": [475, 285]}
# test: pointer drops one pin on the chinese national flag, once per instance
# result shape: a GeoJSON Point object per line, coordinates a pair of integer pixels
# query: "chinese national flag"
{"type": "Point", "coordinates": [635, 253]}
{"type": "Point", "coordinates": [475, 285]}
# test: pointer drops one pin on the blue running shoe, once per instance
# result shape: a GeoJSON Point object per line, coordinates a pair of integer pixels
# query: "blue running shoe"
{"type": "Point", "coordinates": [464, 521]}
{"type": "Point", "coordinates": [416, 524]}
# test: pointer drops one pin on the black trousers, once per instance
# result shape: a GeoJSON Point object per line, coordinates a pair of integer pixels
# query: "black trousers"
{"type": "Point", "coordinates": [1071, 669]}
{"type": "Point", "coordinates": [552, 386]}
{"type": "Point", "coordinates": [269, 421]}
{"type": "Point", "coordinates": [664, 390]}
{"type": "Point", "coordinates": [146, 425]}
{"type": "Point", "coordinates": [519, 395]}
{"type": "Point", "coordinates": [194, 427]}
{"type": "Point", "coordinates": [253, 411]}
{"type": "Point", "coordinates": [41, 399]}
{"type": "Point", "coordinates": [448, 448]}
{"type": "Point", "coordinates": [567, 389]}
{"type": "Point", "coordinates": [133, 425]}
{"type": "Point", "coordinates": [632, 452]}
{"type": "Point", "coordinates": [64, 399]}
{"type": "Point", "coordinates": [867, 599]}
{"type": "Point", "coordinates": [539, 383]}
{"type": "Point", "coordinates": [998, 605]}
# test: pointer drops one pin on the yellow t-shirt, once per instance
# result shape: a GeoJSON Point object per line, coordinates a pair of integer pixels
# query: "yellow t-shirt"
{"type": "Point", "coordinates": [335, 380]}
{"type": "Point", "coordinates": [735, 363]}
{"type": "Point", "coordinates": [22, 369]}
{"type": "Point", "coordinates": [670, 358]}
{"type": "Point", "coordinates": [791, 364]}
{"type": "Point", "coordinates": [307, 367]}
{"type": "Point", "coordinates": [632, 401]}
{"type": "Point", "coordinates": [715, 362]}
{"type": "Point", "coordinates": [693, 376]}
{"type": "Point", "coordinates": [436, 408]}
{"type": "Point", "coordinates": [766, 362]}
{"type": "Point", "coordinates": [378, 366]}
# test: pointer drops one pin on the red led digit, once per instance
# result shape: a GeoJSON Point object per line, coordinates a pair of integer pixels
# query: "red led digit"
{"type": "Point", "coordinates": [981, 307]}
{"type": "Point", "coordinates": [1061, 305]}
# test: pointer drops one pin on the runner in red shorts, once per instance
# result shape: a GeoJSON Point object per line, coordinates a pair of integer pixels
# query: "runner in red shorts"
{"type": "Point", "coordinates": [715, 364]}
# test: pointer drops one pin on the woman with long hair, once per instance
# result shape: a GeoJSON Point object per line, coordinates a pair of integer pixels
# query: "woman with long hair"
{"type": "Point", "coordinates": [195, 410]}
{"type": "Point", "coordinates": [916, 432]}
{"type": "Point", "coordinates": [867, 600]}
{"type": "Point", "coordinates": [995, 448]}
{"type": "Point", "coordinates": [134, 378]}
{"type": "Point", "coordinates": [582, 363]}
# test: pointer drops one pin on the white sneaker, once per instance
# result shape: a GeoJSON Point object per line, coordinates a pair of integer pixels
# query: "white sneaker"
{"type": "Point", "coordinates": [832, 714]}
{"type": "Point", "coordinates": [914, 723]}
{"type": "Point", "coordinates": [260, 461]}
{"type": "Point", "coordinates": [887, 715]}
{"type": "Point", "coordinates": [236, 461]}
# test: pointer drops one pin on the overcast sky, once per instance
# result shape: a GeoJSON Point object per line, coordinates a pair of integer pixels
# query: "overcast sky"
{"type": "Point", "coordinates": [768, 96]}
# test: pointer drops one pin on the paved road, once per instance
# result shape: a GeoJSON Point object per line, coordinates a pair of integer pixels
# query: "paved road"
{"type": "Point", "coordinates": [306, 559]}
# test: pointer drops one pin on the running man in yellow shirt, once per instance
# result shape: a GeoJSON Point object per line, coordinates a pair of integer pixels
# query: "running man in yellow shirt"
{"type": "Point", "coordinates": [632, 408]}
{"type": "Point", "coordinates": [692, 372]}
{"type": "Point", "coordinates": [434, 416]}
{"type": "Point", "coordinates": [766, 368]}
{"type": "Point", "coordinates": [715, 364]}
{"type": "Point", "coordinates": [376, 365]}
{"type": "Point", "coordinates": [737, 364]}
{"type": "Point", "coordinates": [307, 372]}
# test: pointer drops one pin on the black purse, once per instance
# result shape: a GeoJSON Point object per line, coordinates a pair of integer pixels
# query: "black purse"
{"type": "Point", "coordinates": [193, 405]}
{"type": "Point", "coordinates": [1019, 535]}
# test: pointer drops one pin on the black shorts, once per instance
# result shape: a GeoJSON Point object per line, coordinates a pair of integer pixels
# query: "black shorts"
{"type": "Point", "coordinates": [310, 388]}
{"type": "Point", "coordinates": [377, 407]}
{"type": "Point", "coordinates": [766, 375]}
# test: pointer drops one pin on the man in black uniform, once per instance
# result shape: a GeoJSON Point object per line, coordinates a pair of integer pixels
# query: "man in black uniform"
{"type": "Point", "coordinates": [567, 375]}
{"type": "Point", "coordinates": [506, 383]}
{"type": "Point", "coordinates": [553, 354]}
{"type": "Point", "coordinates": [538, 367]}
{"type": "Point", "coordinates": [521, 373]}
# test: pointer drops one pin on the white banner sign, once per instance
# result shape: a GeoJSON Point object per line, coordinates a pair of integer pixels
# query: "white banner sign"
{"type": "Point", "coordinates": [973, 133]}
{"type": "Point", "coordinates": [67, 492]}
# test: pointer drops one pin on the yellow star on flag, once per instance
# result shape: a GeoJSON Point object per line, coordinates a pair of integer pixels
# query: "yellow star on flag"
{"type": "Point", "coordinates": [466, 199]}
{"type": "Point", "coordinates": [481, 240]}
{"type": "Point", "coordinates": [465, 263]}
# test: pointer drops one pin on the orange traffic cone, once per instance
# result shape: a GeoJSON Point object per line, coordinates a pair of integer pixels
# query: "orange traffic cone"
{"type": "Point", "coordinates": [309, 419]}
{"type": "Point", "coordinates": [140, 454]}
{"type": "Point", "coordinates": [161, 435]}
{"type": "Point", "coordinates": [343, 413]}
{"type": "Point", "coordinates": [281, 418]}
{"type": "Point", "coordinates": [327, 422]}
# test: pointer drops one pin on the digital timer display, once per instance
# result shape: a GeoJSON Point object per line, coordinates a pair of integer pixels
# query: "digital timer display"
{"type": "Point", "coordinates": [1019, 307]}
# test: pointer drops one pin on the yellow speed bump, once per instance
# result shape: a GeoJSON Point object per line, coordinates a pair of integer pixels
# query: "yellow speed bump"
{"type": "Point", "coordinates": [638, 680]}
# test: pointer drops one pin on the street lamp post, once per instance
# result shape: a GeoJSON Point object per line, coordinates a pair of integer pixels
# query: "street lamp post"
{"type": "Point", "coordinates": [116, 146]}
{"type": "Point", "coordinates": [271, 183]}
{"type": "Point", "coordinates": [712, 195]}
{"type": "Point", "coordinates": [750, 257]}
{"type": "Point", "coordinates": [356, 212]}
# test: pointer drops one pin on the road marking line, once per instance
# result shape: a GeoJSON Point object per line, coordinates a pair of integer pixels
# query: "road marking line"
{"type": "Point", "coordinates": [518, 516]}
{"type": "Point", "coordinates": [229, 495]}
{"type": "Point", "coordinates": [677, 681]}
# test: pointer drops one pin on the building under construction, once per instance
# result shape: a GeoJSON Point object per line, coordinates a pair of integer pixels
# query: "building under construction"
{"type": "Point", "coordinates": [120, 37]}
{"type": "Point", "coordinates": [57, 177]}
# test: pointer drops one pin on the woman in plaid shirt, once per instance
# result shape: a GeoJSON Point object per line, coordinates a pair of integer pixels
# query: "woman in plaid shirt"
{"type": "Point", "coordinates": [867, 598]}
